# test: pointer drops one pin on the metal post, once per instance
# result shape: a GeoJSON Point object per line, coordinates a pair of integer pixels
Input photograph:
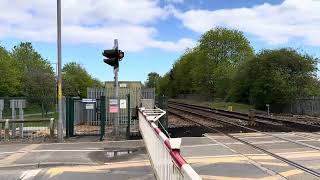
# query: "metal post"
{"type": "Point", "coordinates": [1, 109]}
{"type": "Point", "coordinates": [102, 116]}
{"type": "Point", "coordinates": [116, 93]}
{"type": "Point", "coordinates": [129, 117]}
{"type": "Point", "coordinates": [60, 125]}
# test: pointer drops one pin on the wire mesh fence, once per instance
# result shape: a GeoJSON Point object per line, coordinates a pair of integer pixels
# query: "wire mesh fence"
{"type": "Point", "coordinates": [27, 118]}
{"type": "Point", "coordinates": [27, 130]}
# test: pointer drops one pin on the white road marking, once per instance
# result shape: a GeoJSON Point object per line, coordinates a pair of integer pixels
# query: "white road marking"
{"type": "Point", "coordinates": [30, 174]}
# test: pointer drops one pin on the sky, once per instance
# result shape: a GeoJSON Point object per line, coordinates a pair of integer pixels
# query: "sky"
{"type": "Point", "coordinates": [153, 33]}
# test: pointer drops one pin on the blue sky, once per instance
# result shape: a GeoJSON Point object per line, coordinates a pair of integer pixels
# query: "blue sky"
{"type": "Point", "coordinates": [154, 33]}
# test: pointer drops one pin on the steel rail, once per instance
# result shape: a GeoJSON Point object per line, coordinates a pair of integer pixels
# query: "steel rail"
{"type": "Point", "coordinates": [243, 116]}
{"type": "Point", "coordinates": [230, 114]}
{"type": "Point", "coordinates": [292, 163]}
{"type": "Point", "coordinates": [251, 129]}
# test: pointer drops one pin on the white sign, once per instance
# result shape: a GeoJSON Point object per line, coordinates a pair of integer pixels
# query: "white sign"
{"type": "Point", "coordinates": [113, 101]}
{"type": "Point", "coordinates": [89, 106]}
{"type": "Point", "coordinates": [123, 85]}
{"type": "Point", "coordinates": [123, 103]}
{"type": "Point", "coordinates": [88, 100]}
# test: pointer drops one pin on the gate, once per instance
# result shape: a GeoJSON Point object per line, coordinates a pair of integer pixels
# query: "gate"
{"type": "Point", "coordinates": [85, 116]}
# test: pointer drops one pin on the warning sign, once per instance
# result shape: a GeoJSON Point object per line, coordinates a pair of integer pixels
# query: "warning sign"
{"type": "Point", "coordinates": [113, 106]}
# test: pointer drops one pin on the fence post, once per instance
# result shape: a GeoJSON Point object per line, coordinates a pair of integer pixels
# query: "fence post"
{"type": "Point", "coordinates": [129, 117]}
{"type": "Point", "coordinates": [67, 117]}
{"type": "Point", "coordinates": [71, 116]}
{"type": "Point", "coordinates": [21, 124]}
{"type": "Point", "coordinates": [6, 130]}
{"type": "Point", "coordinates": [1, 109]}
{"type": "Point", "coordinates": [102, 116]}
{"type": "Point", "coordinates": [51, 126]}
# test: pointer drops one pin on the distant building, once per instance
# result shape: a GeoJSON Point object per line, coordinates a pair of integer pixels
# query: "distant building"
{"type": "Point", "coordinates": [125, 84]}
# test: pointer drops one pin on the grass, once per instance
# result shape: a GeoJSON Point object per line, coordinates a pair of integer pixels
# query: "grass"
{"type": "Point", "coordinates": [39, 116]}
{"type": "Point", "coordinates": [235, 106]}
{"type": "Point", "coordinates": [219, 105]}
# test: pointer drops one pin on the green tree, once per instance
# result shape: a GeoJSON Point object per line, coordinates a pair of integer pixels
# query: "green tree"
{"type": "Point", "coordinates": [152, 80]}
{"type": "Point", "coordinates": [209, 68]}
{"type": "Point", "coordinates": [275, 77]}
{"type": "Point", "coordinates": [38, 78]}
{"type": "Point", "coordinates": [10, 75]}
{"type": "Point", "coordinates": [76, 80]}
{"type": "Point", "coordinates": [226, 50]}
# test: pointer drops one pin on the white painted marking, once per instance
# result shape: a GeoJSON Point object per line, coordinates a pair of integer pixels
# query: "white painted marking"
{"type": "Point", "coordinates": [30, 174]}
{"type": "Point", "coordinates": [251, 161]}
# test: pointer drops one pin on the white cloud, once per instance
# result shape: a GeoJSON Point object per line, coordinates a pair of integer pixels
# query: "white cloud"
{"type": "Point", "coordinates": [87, 21]}
{"type": "Point", "coordinates": [275, 24]}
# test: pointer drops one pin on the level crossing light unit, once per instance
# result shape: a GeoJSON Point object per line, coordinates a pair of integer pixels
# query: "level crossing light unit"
{"type": "Point", "coordinates": [113, 57]}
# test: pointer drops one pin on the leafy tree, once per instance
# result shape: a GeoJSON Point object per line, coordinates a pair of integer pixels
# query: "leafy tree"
{"type": "Point", "coordinates": [38, 78]}
{"type": "Point", "coordinates": [225, 50]}
{"type": "Point", "coordinates": [275, 77]}
{"type": "Point", "coordinates": [10, 75]}
{"type": "Point", "coordinates": [209, 68]}
{"type": "Point", "coordinates": [76, 80]}
{"type": "Point", "coordinates": [153, 81]}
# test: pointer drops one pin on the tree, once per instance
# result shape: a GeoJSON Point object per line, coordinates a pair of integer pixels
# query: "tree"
{"type": "Point", "coordinates": [226, 50]}
{"type": "Point", "coordinates": [10, 76]}
{"type": "Point", "coordinates": [275, 77]}
{"type": "Point", "coordinates": [209, 68]}
{"type": "Point", "coordinates": [152, 80]}
{"type": "Point", "coordinates": [76, 80]}
{"type": "Point", "coordinates": [38, 78]}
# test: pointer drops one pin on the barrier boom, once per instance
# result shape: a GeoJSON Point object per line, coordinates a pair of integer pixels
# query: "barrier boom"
{"type": "Point", "coordinates": [164, 153]}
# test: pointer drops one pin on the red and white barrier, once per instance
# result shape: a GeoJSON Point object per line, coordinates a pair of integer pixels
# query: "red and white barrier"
{"type": "Point", "coordinates": [164, 152]}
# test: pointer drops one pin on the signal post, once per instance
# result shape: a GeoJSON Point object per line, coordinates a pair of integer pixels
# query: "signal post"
{"type": "Point", "coordinates": [113, 57]}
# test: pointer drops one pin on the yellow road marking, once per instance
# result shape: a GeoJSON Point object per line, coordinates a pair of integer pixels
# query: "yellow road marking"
{"type": "Point", "coordinates": [237, 178]}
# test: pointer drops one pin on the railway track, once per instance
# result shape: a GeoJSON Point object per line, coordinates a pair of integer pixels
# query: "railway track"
{"type": "Point", "coordinates": [283, 124]}
{"type": "Point", "coordinates": [208, 121]}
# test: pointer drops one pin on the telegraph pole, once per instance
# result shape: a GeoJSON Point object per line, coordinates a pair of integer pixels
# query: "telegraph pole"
{"type": "Point", "coordinates": [60, 125]}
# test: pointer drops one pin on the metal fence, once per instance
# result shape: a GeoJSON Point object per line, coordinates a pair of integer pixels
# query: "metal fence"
{"type": "Point", "coordinates": [27, 130]}
{"type": "Point", "coordinates": [304, 106]}
{"type": "Point", "coordinates": [138, 96]}
{"type": "Point", "coordinates": [27, 118]}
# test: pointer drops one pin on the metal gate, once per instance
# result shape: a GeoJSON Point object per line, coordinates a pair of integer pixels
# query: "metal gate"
{"type": "Point", "coordinates": [127, 118]}
{"type": "Point", "coordinates": [85, 116]}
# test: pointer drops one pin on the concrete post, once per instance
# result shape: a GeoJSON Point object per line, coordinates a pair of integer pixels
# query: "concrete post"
{"type": "Point", "coordinates": [6, 130]}
{"type": "Point", "coordinates": [51, 126]}
{"type": "Point", "coordinates": [13, 125]}
{"type": "Point", "coordinates": [21, 124]}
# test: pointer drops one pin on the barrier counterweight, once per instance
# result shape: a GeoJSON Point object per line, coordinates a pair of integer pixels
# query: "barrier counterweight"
{"type": "Point", "coordinates": [164, 153]}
